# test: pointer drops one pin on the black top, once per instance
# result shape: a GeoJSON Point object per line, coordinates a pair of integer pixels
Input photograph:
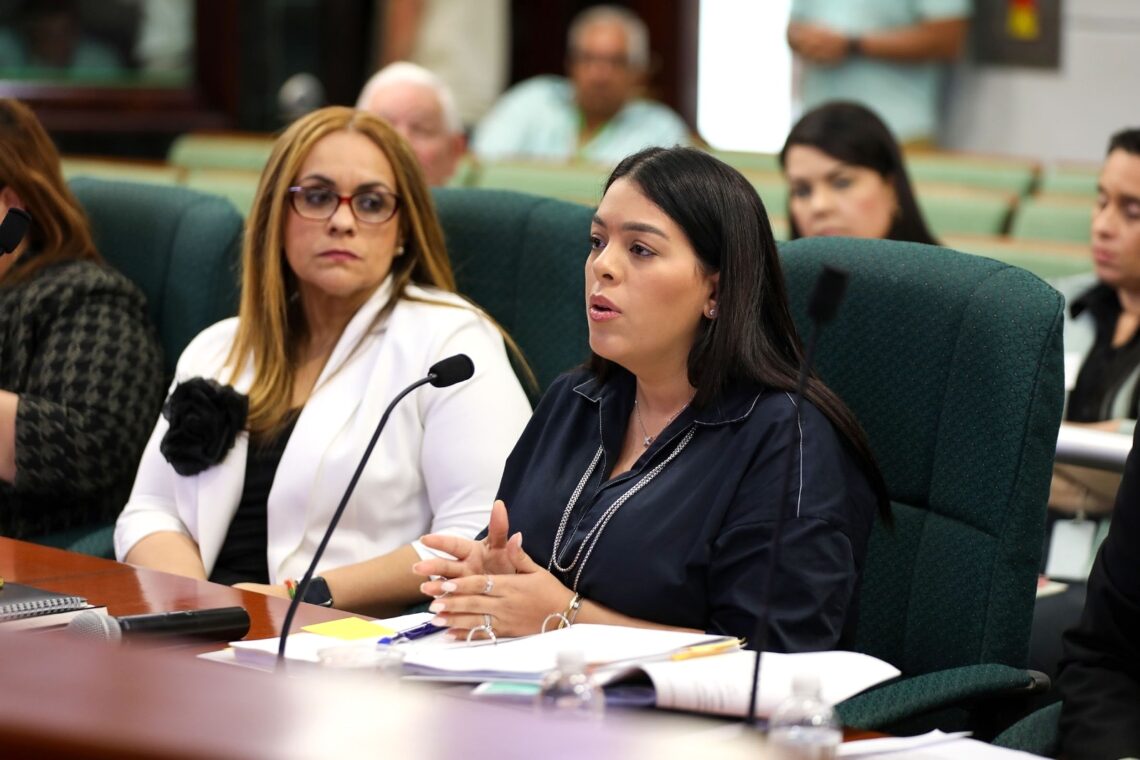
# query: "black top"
{"type": "Point", "coordinates": [77, 345]}
{"type": "Point", "coordinates": [1100, 673]}
{"type": "Point", "coordinates": [690, 548]}
{"type": "Point", "coordinates": [242, 558]}
{"type": "Point", "coordinates": [1105, 369]}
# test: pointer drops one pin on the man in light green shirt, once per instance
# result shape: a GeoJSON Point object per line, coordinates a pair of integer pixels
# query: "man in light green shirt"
{"type": "Point", "coordinates": [595, 115]}
{"type": "Point", "coordinates": [889, 55]}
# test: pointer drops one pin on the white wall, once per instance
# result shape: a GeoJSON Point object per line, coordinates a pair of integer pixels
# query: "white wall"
{"type": "Point", "coordinates": [1063, 114]}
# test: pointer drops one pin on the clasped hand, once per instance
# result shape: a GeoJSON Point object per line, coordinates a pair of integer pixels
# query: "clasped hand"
{"type": "Point", "coordinates": [519, 593]}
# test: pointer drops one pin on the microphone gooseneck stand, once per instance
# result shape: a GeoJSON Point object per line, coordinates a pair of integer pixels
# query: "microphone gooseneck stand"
{"type": "Point", "coordinates": [822, 306]}
{"type": "Point", "coordinates": [449, 371]}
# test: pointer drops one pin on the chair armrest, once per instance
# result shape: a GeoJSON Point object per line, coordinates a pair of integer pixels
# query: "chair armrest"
{"type": "Point", "coordinates": [908, 697]}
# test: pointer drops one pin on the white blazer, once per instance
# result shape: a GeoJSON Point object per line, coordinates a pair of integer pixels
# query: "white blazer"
{"type": "Point", "coordinates": [435, 468]}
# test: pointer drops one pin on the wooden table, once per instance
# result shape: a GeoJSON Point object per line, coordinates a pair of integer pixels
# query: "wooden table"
{"type": "Point", "coordinates": [62, 697]}
{"type": "Point", "coordinates": [128, 590]}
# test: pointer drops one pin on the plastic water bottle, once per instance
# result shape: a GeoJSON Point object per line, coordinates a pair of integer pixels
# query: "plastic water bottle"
{"type": "Point", "coordinates": [569, 690]}
{"type": "Point", "coordinates": [804, 727]}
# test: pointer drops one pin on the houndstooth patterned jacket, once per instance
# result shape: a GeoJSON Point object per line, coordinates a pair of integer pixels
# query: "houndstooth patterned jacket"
{"type": "Point", "coordinates": [77, 346]}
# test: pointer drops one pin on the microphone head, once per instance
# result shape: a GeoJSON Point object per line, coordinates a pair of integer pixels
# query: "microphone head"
{"type": "Point", "coordinates": [95, 625]}
{"type": "Point", "coordinates": [13, 229]}
{"type": "Point", "coordinates": [827, 294]}
{"type": "Point", "coordinates": [452, 370]}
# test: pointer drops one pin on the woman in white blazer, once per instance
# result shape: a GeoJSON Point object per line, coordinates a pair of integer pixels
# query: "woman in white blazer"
{"type": "Point", "coordinates": [347, 297]}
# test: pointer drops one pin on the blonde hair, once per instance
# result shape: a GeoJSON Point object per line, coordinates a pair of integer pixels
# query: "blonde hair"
{"type": "Point", "coordinates": [29, 164]}
{"type": "Point", "coordinates": [270, 328]}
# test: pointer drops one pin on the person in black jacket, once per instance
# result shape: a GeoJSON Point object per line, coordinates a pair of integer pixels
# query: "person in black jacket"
{"type": "Point", "coordinates": [81, 375]}
{"type": "Point", "coordinates": [1099, 679]}
{"type": "Point", "coordinates": [646, 487]}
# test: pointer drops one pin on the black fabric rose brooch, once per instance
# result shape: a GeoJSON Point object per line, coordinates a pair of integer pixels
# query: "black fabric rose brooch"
{"type": "Point", "coordinates": [205, 417]}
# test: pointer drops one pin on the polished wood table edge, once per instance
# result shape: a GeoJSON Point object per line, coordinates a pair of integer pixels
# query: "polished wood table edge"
{"type": "Point", "coordinates": [131, 590]}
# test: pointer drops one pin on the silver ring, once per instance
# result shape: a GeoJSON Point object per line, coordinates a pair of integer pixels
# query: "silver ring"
{"type": "Point", "coordinates": [488, 587]}
{"type": "Point", "coordinates": [486, 628]}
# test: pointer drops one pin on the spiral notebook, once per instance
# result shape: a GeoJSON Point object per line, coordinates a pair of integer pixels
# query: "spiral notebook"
{"type": "Point", "coordinates": [18, 602]}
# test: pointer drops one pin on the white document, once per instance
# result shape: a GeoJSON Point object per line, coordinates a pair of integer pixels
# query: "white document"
{"type": "Point", "coordinates": [527, 658]}
{"type": "Point", "coordinates": [721, 685]}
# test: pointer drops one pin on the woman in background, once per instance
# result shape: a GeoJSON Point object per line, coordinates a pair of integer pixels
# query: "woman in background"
{"type": "Point", "coordinates": [646, 487]}
{"type": "Point", "coordinates": [846, 177]}
{"type": "Point", "coordinates": [80, 367]}
{"type": "Point", "coordinates": [347, 297]}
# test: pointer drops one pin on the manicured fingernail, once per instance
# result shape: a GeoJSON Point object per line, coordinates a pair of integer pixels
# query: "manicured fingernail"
{"type": "Point", "coordinates": [449, 586]}
{"type": "Point", "coordinates": [436, 606]}
{"type": "Point", "coordinates": [439, 620]}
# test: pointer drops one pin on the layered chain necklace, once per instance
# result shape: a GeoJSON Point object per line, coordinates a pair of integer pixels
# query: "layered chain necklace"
{"type": "Point", "coordinates": [591, 538]}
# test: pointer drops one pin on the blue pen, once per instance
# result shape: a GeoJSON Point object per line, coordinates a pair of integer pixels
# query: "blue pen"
{"type": "Point", "coordinates": [426, 629]}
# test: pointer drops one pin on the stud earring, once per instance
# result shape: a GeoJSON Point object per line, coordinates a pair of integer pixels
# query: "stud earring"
{"type": "Point", "coordinates": [400, 250]}
{"type": "Point", "coordinates": [712, 313]}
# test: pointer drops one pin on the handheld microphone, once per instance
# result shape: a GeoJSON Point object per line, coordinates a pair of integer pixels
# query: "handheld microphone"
{"type": "Point", "coordinates": [445, 372]}
{"type": "Point", "coordinates": [830, 287]}
{"type": "Point", "coordinates": [219, 624]}
{"type": "Point", "coordinates": [13, 229]}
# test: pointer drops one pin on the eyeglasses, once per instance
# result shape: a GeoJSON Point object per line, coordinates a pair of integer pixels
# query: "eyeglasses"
{"type": "Point", "coordinates": [320, 203]}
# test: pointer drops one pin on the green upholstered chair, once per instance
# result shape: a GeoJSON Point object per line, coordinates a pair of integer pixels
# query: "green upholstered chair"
{"type": "Point", "coordinates": [521, 258]}
{"type": "Point", "coordinates": [964, 213]}
{"type": "Point", "coordinates": [577, 183]}
{"type": "Point", "coordinates": [181, 248]}
{"type": "Point", "coordinates": [953, 365]}
{"type": "Point", "coordinates": [178, 245]}
{"type": "Point", "coordinates": [1050, 219]}
{"type": "Point", "coordinates": [1010, 175]}
{"type": "Point", "coordinates": [208, 150]}
{"type": "Point", "coordinates": [1070, 180]}
{"type": "Point", "coordinates": [1037, 732]}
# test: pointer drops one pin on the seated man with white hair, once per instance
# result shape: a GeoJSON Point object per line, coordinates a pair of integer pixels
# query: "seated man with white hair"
{"type": "Point", "coordinates": [420, 106]}
{"type": "Point", "coordinates": [597, 114]}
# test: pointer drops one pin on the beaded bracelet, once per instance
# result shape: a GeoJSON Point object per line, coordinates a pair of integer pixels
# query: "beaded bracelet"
{"type": "Point", "coordinates": [291, 587]}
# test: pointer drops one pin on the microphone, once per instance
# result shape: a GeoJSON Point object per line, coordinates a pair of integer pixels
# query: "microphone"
{"type": "Point", "coordinates": [449, 371]}
{"type": "Point", "coordinates": [830, 287]}
{"type": "Point", "coordinates": [13, 229]}
{"type": "Point", "coordinates": [219, 624]}
{"type": "Point", "coordinates": [445, 372]}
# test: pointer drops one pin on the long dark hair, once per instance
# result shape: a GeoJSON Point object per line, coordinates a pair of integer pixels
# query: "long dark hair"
{"type": "Point", "coordinates": [753, 339]}
{"type": "Point", "coordinates": [853, 134]}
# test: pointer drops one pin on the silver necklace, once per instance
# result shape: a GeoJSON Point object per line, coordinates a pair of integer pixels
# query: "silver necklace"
{"type": "Point", "coordinates": [646, 437]}
{"type": "Point", "coordinates": [595, 533]}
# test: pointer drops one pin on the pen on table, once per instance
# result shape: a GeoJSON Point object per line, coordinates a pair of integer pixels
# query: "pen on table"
{"type": "Point", "coordinates": [426, 629]}
{"type": "Point", "coordinates": [704, 650]}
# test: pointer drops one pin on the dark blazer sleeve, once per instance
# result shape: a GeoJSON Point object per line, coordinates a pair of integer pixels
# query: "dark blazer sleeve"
{"type": "Point", "coordinates": [93, 385]}
{"type": "Point", "coordinates": [1099, 676]}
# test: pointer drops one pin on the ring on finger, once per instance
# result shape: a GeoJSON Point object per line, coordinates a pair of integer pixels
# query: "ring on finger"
{"type": "Point", "coordinates": [486, 629]}
{"type": "Point", "coordinates": [487, 588]}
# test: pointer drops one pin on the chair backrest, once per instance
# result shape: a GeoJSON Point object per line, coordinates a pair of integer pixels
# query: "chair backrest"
{"type": "Point", "coordinates": [577, 183]}
{"type": "Point", "coordinates": [1053, 219]}
{"type": "Point", "coordinates": [953, 365]}
{"type": "Point", "coordinates": [181, 248]}
{"type": "Point", "coordinates": [522, 258]}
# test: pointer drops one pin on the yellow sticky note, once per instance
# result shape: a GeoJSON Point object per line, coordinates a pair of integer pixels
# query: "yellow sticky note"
{"type": "Point", "coordinates": [349, 629]}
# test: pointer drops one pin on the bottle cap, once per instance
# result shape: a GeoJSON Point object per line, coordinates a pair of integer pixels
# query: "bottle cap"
{"type": "Point", "coordinates": [805, 685]}
{"type": "Point", "coordinates": [571, 660]}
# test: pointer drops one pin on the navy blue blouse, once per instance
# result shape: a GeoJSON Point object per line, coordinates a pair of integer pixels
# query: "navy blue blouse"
{"type": "Point", "coordinates": [690, 548]}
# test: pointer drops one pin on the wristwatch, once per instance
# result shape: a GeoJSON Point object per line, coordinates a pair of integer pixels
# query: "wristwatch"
{"type": "Point", "coordinates": [318, 592]}
{"type": "Point", "coordinates": [854, 46]}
